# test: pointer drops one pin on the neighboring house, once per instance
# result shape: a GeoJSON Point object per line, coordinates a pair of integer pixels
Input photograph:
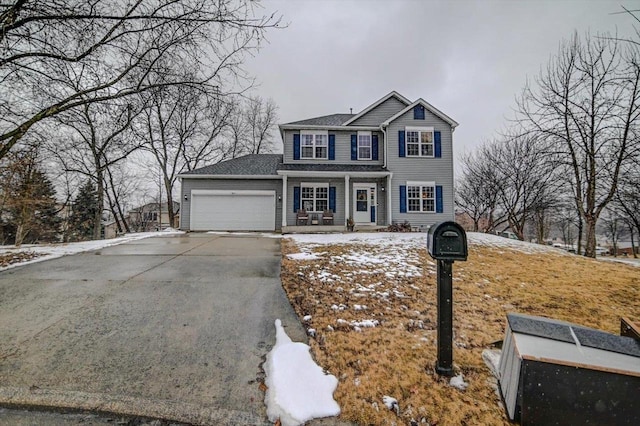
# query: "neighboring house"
{"type": "Point", "coordinates": [465, 220]}
{"type": "Point", "coordinates": [152, 217]}
{"type": "Point", "coordinates": [390, 163]}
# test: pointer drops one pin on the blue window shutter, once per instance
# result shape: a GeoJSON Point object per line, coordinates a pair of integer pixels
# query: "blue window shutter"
{"type": "Point", "coordinates": [354, 147]}
{"type": "Point", "coordinates": [437, 144]}
{"type": "Point", "coordinates": [418, 112]}
{"type": "Point", "coordinates": [332, 147]}
{"type": "Point", "coordinates": [296, 146]}
{"type": "Point", "coordinates": [296, 199]}
{"type": "Point", "coordinates": [401, 143]}
{"type": "Point", "coordinates": [332, 198]}
{"type": "Point", "coordinates": [374, 147]}
{"type": "Point", "coordinates": [403, 198]}
{"type": "Point", "coordinates": [439, 207]}
{"type": "Point", "coordinates": [373, 214]}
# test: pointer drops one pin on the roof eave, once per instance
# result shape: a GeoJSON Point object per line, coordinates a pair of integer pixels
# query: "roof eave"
{"type": "Point", "coordinates": [320, 127]}
{"type": "Point", "coordinates": [328, 173]}
{"type": "Point", "coordinates": [219, 176]}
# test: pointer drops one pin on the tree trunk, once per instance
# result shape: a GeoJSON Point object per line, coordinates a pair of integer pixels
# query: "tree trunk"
{"type": "Point", "coordinates": [171, 213]}
{"type": "Point", "coordinates": [633, 245]}
{"type": "Point", "coordinates": [97, 217]}
{"type": "Point", "coordinates": [590, 237]}
{"type": "Point", "coordinates": [580, 232]}
{"type": "Point", "coordinates": [20, 234]}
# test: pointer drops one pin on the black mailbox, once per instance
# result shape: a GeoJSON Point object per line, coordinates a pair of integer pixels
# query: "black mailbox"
{"type": "Point", "coordinates": [447, 241]}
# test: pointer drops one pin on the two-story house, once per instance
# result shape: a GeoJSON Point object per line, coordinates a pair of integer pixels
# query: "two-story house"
{"type": "Point", "coordinates": [390, 163]}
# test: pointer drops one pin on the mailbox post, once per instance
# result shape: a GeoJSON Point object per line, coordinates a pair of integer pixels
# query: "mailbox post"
{"type": "Point", "coordinates": [446, 243]}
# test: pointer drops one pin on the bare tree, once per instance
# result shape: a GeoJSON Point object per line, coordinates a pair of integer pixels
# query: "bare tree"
{"type": "Point", "coordinates": [261, 118]}
{"type": "Point", "coordinates": [100, 138]}
{"type": "Point", "coordinates": [585, 106]}
{"type": "Point", "coordinates": [475, 190]}
{"type": "Point", "coordinates": [627, 201]}
{"type": "Point", "coordinates": [113, 49]}
{"type": "Point", "coordinates": [181, 128]}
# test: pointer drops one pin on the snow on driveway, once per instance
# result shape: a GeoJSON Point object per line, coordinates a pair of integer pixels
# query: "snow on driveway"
{"type": "Point", "coordinates": [52, 251]}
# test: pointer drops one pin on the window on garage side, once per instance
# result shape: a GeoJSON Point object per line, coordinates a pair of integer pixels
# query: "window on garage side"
{"type": "Point", "coordinates": [314, 197]}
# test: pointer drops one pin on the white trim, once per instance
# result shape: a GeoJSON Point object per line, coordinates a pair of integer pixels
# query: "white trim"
{"type": "Point", "coordinates": [314, 200]}
{"type": "Point", "coordinates": [315, 184]}
{"type": "Point", "coordinates": [297, 127]}
{"type": "Point", "coordinates": [326, 174]}
{"type": "Point", "coordinates": [375, 104]}
{"type": "Point", "coordinates": [231, 192]}
{"type": "Point", "coordinates": [421, 185]}
{"type": "Point", "coordinates": [315, 144]}
{"type": "Point", "coordinates": [420, 131]}
{"type": "Point", "coordinates": [314, 132]}
{"type": "Point", "coordinates": [365, 133]}
{"type": "Point", "coordinates": [371, 187]}
{"type": "Point", "coordinates": [429, 107]}
{"type": "Point", "coordinates": [248, 177]}
{"type": "Point", "coordinates": [203, 213]}
{"type": "Point", "coordinates": [284, 201]}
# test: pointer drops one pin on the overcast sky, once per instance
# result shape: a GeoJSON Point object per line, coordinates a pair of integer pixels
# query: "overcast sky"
{"type": "Point", "coordinates": [467, 58]}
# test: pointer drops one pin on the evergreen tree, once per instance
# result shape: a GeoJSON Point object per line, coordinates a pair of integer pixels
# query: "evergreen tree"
{"type": "Point", "coordinates": [29, 203]}
{"type": "Point", "coordinates": [83, 215]}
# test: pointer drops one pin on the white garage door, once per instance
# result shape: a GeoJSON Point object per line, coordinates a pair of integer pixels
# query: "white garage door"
{"type": "Point", "coordinates": [218, 210]}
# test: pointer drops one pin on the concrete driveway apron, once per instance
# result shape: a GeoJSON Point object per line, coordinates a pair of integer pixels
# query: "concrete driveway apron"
{"type": "Point", "coordinates": [171, 327]}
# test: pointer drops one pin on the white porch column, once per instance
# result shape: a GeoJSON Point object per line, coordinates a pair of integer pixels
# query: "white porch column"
{"type": "Point", "coordinates": [346, 198]}
{"type": "Point", "coordinates": [284, 200]}
{"type": "Point", "coordinates": [389, 209]}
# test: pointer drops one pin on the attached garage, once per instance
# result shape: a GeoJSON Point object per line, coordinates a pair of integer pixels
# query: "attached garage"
{"type": "Point", "coordinates": [233, 210]}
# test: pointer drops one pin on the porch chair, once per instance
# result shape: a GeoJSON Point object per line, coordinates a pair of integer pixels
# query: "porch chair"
{"type": "Point", "coordinates": [302, 217]}
{"type": "Point", "coordinates": [327, 217]}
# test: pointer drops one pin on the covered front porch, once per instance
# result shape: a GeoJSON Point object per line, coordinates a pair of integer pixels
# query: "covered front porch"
{"type": "Point", "coordinates": [328, 229]}
{"type": "Point", "coordinates": [359, 197]}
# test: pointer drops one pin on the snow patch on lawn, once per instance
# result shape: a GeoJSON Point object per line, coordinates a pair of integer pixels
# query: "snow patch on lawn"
{"type": "Point", "coordinates": [496, 241]}
{"type": "Point", "coordinates": [303, 256]}
{"type": "Point", "coordinates": [414, 240]}
{"type": "Point", "coordinates": [297, 388]}
{"type": "Point", "coordinates": [52, 251]}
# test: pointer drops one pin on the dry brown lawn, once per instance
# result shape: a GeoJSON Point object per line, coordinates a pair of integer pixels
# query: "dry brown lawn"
{"type": "Point", "coordinates": [397, 357]}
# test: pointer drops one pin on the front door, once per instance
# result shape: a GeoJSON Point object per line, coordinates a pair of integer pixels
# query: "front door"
{"type": "Point", "coordinates": [364, 203]}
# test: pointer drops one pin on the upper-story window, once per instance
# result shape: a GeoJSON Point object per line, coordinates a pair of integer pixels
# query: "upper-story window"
{"type": "Point", "coordinates": [364, 145]}
{"type": "Point", "coordinates": [419, 141]}
{"type": "Point", "coordinates": [314, 144]}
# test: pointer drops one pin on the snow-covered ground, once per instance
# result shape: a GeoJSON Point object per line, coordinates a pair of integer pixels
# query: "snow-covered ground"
{"type": "Point", "coordinates": [52, 251]}
{"type": "Point", "coordinates": [413, 239]}
{"type": "Point", "coordinates": [297, 388]}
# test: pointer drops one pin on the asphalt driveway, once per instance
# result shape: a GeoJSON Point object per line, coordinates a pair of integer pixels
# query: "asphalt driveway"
{"type": "Point", "coordinates": [170, 327]}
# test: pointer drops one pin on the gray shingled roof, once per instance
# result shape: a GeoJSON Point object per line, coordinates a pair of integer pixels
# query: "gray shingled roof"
{"type": "Point", "coordinates": [333, 167]}
{"type": "Point", "coordinates": [252, 164]}
{"type": "Point", "coordinates": [325, 120]}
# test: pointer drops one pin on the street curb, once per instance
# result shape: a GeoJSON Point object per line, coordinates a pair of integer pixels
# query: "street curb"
{"type": "Point", "coordinates": [55, 400]}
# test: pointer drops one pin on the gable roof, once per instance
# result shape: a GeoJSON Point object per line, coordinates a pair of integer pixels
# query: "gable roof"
{"type": "Point", "coordinates": [375, 104]}
{"type": "Point", "coordinates": [251, 164]}
{"type": "Point", "coordinates": [325, 120]}
{"type": "Point", "coordinates": [429, 108]}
